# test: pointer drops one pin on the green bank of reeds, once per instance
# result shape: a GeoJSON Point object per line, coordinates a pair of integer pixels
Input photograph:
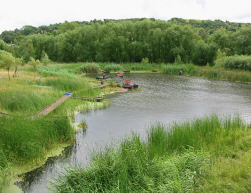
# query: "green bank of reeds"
{"type": "Point", "coordinates": [28, 141]}
{"type": "Point", "coordinates": [207, 72]}
{"type": "Point", "coordinates": [63, 70]}
{"type": "Point", "coordinates": [90, 68]}
{"type": "Point", "coordinates": [23, 140]}
{"type": "Point", "coordinates": [175, 68]}
{"type": "Point", "coordinates": [112, 67]}
{"type": "Point", "coordinates": [170, 160]}
{"type": "Point", "coordinates": [25, 101]}
{"type": "Point", "coordinates": [66, 84]}
{"type": "Point", "coordinates": [130, 169]}
{"type": "Point", "coordinates": [141, 66]}
{"type": "Point", "coordinates": [238, 62]}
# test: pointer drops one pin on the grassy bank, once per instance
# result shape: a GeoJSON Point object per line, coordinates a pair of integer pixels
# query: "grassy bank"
{"type": "Point", "coordinates": [191, 157]}
{"type": "Point", "coordinates": [25, 142]}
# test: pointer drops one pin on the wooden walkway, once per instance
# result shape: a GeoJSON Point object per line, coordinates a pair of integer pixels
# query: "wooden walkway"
{"type": "Point", "coordinates": [62, 99]}
{"type": "Point", "coordinates": [53, 106]}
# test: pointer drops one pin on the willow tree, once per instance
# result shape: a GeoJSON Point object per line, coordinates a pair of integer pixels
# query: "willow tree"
{"type": "Point", "coordinates": [7, 60]}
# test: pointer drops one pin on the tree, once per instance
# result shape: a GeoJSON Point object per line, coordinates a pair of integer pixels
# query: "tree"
{"type": "Point", "coordinates": [7, 60]}
{"type": "Point", "coordinates": [204, 53]}
{"type": "Point", "coordinates": [34, 63]}
{"type": "Point", "coordinates": [18, 61]}
{"type": "Point", "coordinates": [44, 58]}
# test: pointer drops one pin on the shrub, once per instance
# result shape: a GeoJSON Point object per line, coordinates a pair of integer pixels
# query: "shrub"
{"type": "Point", "coordinates": [145, 60]}
{"type": "Point", "coordinates": [44, 58]}
{"type": "Point", "coordinates": [90, 68]}
{"type": "Point", "coordinates": [240, 62]}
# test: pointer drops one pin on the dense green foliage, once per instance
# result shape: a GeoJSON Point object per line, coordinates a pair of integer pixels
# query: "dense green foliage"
{"type": "Point", "coordinates": [238, 62]}
{"type": "Point", "coordinates": [170, 160]}
{"type": "Point", "coordinates": [134, 40]}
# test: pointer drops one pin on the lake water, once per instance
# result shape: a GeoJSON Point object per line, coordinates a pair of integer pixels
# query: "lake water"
{"type": "Point", "coordinates": [161, 98]}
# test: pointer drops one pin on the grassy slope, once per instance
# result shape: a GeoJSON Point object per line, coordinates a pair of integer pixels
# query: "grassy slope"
{"type": "Point", "coordinates": [197, 156]}
{"type": "Point", "coordinates": [28, 142]}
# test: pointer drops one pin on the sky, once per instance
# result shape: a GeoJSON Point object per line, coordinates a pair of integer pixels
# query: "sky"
{"type": "Point", "coordinates": [18, 13]}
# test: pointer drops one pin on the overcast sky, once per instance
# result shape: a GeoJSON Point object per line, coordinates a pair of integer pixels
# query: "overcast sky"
{"type": "Point", "coordinates": [17, 13]}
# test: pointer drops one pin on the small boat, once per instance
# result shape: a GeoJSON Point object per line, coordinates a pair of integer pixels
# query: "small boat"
{"type": "Point", "coordinates": [127, 86]}
{"type": "Point", "coordinates": [155, 70]}
{"type": "Point", "coordinates": [99, 99]}
{"type": "Point", "coordinates": [120, 75]}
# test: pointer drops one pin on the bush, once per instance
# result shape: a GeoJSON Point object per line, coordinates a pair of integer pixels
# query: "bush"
{"type": "Point", "coordinates": [145, 60]}
{"type": "Point", "coordinates": [239, 62]}
{"type": "Point", "coordinates": [90, 68]}
{"type": "Point", "coordinates": [113, 67]}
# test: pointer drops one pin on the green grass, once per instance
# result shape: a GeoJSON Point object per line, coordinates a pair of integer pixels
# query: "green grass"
{"type": "Point", "coordinates": [141, 66]}
{"type": "Point", "coordinates": [27, 141]}
{"type": "Point", "coordinates": [130, 169]}
{"type": "Point", "coordinates": [180, 158]}
{"type": "Point", "coordinates": [62, 70]}
{"type": "Point", "coordinates": [175, 68]}
{"type": "Point", "coordinates": [112, 67]}
{"type": "Point", "coordinates": [25, 101]}
{"type": "Point", "coordinates": [66, 84]}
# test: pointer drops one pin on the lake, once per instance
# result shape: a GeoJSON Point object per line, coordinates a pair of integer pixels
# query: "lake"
{"type": "Point", "coordinates": [160, 98]}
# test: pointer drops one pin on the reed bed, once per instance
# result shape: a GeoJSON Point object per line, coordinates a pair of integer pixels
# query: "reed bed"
{"type": "Point", "coordinates": [172, 159]}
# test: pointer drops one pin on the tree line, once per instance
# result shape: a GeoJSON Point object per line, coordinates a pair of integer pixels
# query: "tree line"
{"type": "Point", "coordinates": [133, 40]}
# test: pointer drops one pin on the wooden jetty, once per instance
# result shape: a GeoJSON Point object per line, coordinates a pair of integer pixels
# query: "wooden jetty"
{"type": "Point", "coordinates": [53, 106]}
{"type": "Point", "coordinates": [97, 99]}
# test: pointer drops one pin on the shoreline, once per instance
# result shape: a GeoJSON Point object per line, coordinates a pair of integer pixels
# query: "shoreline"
{"type": "Point", "coordinates": [17, 172]}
